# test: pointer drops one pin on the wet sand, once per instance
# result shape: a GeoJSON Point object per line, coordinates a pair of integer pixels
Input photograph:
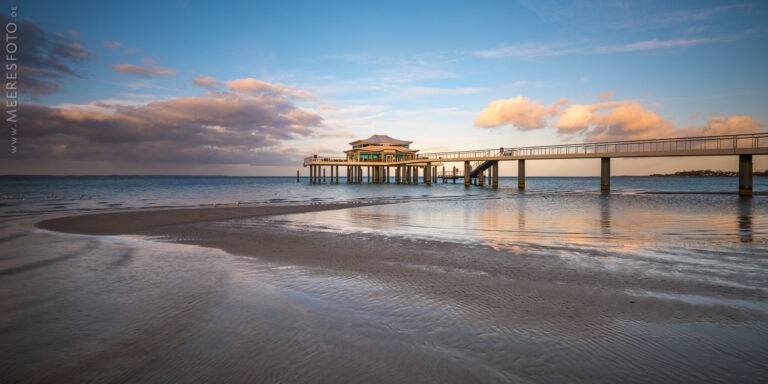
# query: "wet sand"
{"type": "Point", "coordinates": [142, 220]}
{"type": "Point", "coordinates": [285, 305]}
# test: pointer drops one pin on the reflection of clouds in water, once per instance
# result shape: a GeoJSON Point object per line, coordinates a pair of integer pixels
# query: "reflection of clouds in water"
{"type": "Point", "coordinates": [588, 219]}
{"type": "Point", "coordinates": [712, 237]}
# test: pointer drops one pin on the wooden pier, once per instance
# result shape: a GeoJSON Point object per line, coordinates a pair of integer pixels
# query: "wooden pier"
{"type": "Point", "coordinates": [482, 166]}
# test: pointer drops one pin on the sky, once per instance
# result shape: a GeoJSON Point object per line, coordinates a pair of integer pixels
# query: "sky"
{"type": "Point", "coordinates": [252, 87]}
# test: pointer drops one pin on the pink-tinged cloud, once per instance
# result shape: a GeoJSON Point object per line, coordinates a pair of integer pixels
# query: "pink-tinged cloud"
{"type": "Point", "coordinates": [136, 70]}
{"type": "Point", "coordinates": [725, 126]}
{"type": "Point", "coordinates": [256, 87]}
{"type": "Point", "coordinates": [616, 120]}
{"type": "Point", "coordinates": [518, 111]}
{"type": "Point", "coordinates": [224, 128]}
{"type": "Point", "coordinates": [251, 86]}
{"type": "Point", "coordinates": [111, 44]}
{"type": "Point", "coordinates": [606, 96]}
{"type": "Point", "coordinates": [606, 121]}
{"type": "Point", "coordinates": [75, 34]}
{"type": "Point", "coordinates": [301, 94]}
{"type": "Point", "coordinates": [205, 82]}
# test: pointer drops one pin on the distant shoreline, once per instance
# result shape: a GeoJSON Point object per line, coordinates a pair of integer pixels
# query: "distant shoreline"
{"type": "Point", "coordinates": [706, 173]}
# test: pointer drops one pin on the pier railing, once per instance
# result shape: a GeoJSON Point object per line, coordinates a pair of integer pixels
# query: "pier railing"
{"type": "Point", "coordinates": [686, 145]}
{"type": "Point", "coordinates": [337, 159]}
{"type": "Point", "coordinates": [450, 174]}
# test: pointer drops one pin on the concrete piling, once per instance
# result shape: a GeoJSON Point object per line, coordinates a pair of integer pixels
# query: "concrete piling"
{"type": "Point", "coordinates": [745, 175]}
{"type": "Point", "coordinates": [605, 173]}
{"type": "Point", "coordinates": [467, 170]}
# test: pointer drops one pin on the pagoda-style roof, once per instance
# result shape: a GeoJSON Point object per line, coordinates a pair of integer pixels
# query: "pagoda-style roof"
{"type": "Point", "coordinates": [378, 148]}
{"type": "Point", "coordinates": [380, 139]}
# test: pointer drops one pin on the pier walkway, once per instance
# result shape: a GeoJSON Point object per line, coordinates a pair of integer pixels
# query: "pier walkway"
{"type": "Point", "coordinates": [481, 163]}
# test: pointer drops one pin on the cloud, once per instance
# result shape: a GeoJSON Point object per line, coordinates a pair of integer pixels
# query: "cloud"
{"type": "Point", "coordinates": [605, 121]}
{"type": "Point", "coordinates": [539, 50]}
{"type": "Point", "coordinates": [253, 86]}
{"type": "Point", "coordinates": [111, 44]}
{"type": "Point", "coordinates": [528, 50]}
{"type": "Point", "coordinates": [46, 60]}
{"type": "Point", "coordinates": [217, 128]}
{"type": "Point", "coordinates": [301, 94]}
{"type": "Point", "coordinates": [256, 87]}
{"type": "Point", "coordinates": [334, 135]}
{"type": "Point", "coordinates": [136, 70]}
{"type": "Point", "coordinates": [75, 34]}
{"type": "Point", "coordinates": [205, 82]}
{"type": "Point", "coordinates": [616, 120]}
{"type": "Point", "coordinates": [725, 126]}
{"type": "Point", "coordinates": [606, 96]}
{"type": "Point", "coordinates": [518, 111]}
{"type": "Point", "coordinates": [652, 45]}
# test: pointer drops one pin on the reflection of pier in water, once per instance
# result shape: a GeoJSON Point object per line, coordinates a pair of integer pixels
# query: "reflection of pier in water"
{"type": "Point", "coordinates": [481, 167]}
{"type": "Point", "coordinates": [745, 220]}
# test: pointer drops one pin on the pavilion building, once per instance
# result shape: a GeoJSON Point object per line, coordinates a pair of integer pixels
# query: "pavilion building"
{"type": "Point", "coordinates": [381, 148]}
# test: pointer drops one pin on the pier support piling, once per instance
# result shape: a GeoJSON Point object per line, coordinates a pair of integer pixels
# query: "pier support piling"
{"type": "Point", "coordinates": [467, 170]}
{"type": "Point", "coordinates": [495, 174]}
{"type": "Point", "coordinates": [428, 174]}
{"type": "Point", "coordinates": [745, 175]}
{"type": "Point", "coordinates": [605, 173]}
{"type": "Point", "coordinates": [521, 174]}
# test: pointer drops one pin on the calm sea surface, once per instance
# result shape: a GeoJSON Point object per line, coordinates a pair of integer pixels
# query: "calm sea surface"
{"type": "Point", "coordinates": [32, 194]}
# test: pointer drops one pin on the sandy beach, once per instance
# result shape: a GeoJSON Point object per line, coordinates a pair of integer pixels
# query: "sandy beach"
{"type": "Point", "coordinates": [191, 295]}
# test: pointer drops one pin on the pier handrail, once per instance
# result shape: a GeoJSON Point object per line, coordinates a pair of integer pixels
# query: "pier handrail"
{"type": "Point", "coordinates": [735, 142]}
